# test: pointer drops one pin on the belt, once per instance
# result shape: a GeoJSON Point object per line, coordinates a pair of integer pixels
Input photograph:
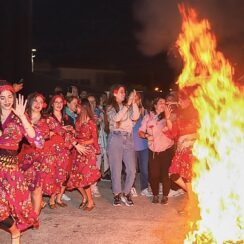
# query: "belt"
{"type": "Point", "coordinates": [8, 161]}
{"type": "Point", "coordinates": [123, 133]}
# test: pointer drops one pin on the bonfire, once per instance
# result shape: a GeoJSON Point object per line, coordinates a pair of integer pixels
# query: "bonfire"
{"type": "Point", "coordinates": [219, 148]}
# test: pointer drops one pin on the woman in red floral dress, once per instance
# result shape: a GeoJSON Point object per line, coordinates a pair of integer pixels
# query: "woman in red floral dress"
{"type": "Point", "coordinates": [16, 213]}
{"type": "Point", "coordinates": [36, 163]}
{"type": "Point", "coordinates": [184, 130]}
{"type": "Point", "coordinates": [84, 170]}
{"type": "Point", "coordinates": [64, 135]}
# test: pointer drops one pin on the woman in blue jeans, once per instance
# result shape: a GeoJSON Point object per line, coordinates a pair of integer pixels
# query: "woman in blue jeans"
{"type": "Point", "coordinates": [121, 116]}
{"type": "Point", "coordinates": [141, 149]}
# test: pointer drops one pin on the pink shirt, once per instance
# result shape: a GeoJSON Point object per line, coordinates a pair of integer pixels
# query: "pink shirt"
{"type": "Point", "coordinates": [153, 126]}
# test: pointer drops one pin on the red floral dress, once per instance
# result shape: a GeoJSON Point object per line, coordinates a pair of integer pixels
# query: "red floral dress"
{"type": "Point", "coordinates": [60, 145]}
{"type": "Point", "coordinates": [14, 194]}
{"type": "Point", "coordinates": [84, 170]}
{"type": "Point", "coordinates": [184, 130]}
{"type": "Point", "coordinates": [37, 164]}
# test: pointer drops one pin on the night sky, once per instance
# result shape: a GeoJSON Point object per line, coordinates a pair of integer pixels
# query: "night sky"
{"type": "Point", "coordinates": [98, 34]}
{"type": "Point", "coordinates": [131, 35]}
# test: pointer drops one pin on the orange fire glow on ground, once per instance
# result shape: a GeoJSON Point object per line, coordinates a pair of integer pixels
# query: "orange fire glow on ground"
{"type": "Point", "coordinates": [219, 149]}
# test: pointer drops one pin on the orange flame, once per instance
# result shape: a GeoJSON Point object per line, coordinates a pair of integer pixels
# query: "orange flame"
{"type": "Point", "coordinates": [219, 149]}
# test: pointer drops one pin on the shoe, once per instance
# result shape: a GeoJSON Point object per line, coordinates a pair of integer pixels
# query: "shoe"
{"type": "Point", "coordinates": [146, 193]}
{"type": "Point", "coordinates": [106, 177]}
{"type": "Point", "coordinates": [96, 192]}
{"type": "Point", "coordinates": [155, 199]}
{"type": "Point", "coordinates": [117, 200]}
{"type": "Point", "coordinates": [61, 204]}
{"type": "Point", "coordinates": [65, 197]}
{"type": "Point", "coordinates": [126, 199]}
{"type": "Point", "coordinates": [43, 204]}
{"type": "Point", "coordinates": [177, 193]}
{"type": "Point", "coordinates": [164, 200]}
{"type": "Point", "coordinates": [36, 225]}
{"type": "Point", "coordinates": [83, 204]}
{"type": "Point", "coordinates": [52, 205]}
{"type": "Point", "coordinates": [180, 192]}
{"type": "Point", "coordinates": [133, 192]}
{"type": "Point", "coordinates": [89, 208]}
{"type": "Point", "coordinates": [173, 193]}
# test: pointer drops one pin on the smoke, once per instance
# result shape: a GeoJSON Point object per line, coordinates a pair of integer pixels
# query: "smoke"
{"type": "Point", "coordinates": [159, 24]}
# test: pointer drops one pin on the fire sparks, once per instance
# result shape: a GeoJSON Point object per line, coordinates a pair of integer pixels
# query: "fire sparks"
{"type": "Point", "coordinates": [219, 149]}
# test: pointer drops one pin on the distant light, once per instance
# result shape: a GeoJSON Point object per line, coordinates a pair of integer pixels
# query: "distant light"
{"type": "Point", "coordinates": [156, 89]}
{"type": "Point", "coordinates": [161, 91]}
{"type": "Point", "coordinates": [33, 50]}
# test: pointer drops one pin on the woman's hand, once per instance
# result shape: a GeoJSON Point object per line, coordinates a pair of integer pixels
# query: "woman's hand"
{"type": "Point", "coordinates": [131, 98]}
{"type": "Point", "coordinates": [167, 111]}
{"type": "Point", "coordinates": [20, 106]}
{"type": "Point", "coordinates": [150, 137]}
{"type": "Point", "coordinates": [69, 128]}
{"type": "Point", "coordinates": [81, 149]}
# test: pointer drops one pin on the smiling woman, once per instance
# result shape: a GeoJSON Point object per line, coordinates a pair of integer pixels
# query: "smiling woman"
{"type": "Point", "coordinates": [14, 125]}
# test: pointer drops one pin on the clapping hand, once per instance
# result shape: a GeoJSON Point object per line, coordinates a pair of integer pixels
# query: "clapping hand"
{"type": "Point", "coordinates": [167, 111]}
{"type": "Point", "coordinates": [132, 97]}
{"type": "Point", "coordinates": [20, 106]}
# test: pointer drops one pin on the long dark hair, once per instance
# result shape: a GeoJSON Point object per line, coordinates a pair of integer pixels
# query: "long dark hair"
{"type": "Point", "coordinates": [154, 102]}
{"type": "Point", "coordinates": [30, 99]}
{"type": "Point", "coordinates": [50, 105]}
{"type": "Point", "coordinates": [112, 99]}
{"type": "Point", "coordinates": [86, 107]}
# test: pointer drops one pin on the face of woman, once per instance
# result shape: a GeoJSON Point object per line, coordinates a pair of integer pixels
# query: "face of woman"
{"type": "Point", "coordinates": [160, 105]}
{"type": "Point", "coordinates": [120, 94]}
{"type": "Point", "coordinates": [6, 100]}
{"type": "Point", "coordinates": [137, 99]}
{"type": "Point", "coordinates": [184, 103]}
{"type": "Point", "coordinates": [37, 104]}
{"type": "Point", "coordinates": [92, 101]}
{"type": "Point", "coordinates": [73, 105]}
{"type": "Point", "coordinates": [58, 104]}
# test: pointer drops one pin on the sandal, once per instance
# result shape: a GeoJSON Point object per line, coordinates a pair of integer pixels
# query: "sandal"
{"type": "Point", "coordinates": [36, 225]}
{"type": "Point", "coordinates": [52, 205]}
{"type": "Point", "coordinates": [43, 204]}
{"type": "Point", "coordinates": [89, 208]}
{"type": "Point", "coordinates": [83, 204]}
{"type": "Point", "coordinates": [61, 204]}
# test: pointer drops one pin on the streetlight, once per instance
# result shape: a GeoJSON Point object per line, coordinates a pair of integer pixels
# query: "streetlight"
{"type": "Point", "coordinates": [33, 50]}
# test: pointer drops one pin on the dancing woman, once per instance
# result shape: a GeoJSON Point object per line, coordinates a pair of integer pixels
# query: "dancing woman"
{"type": "Point", "coordinates": [64, 134]}
{"type": "Point", "coordinates": [16, 213]}
{"type": "Point", "coordinates": [84, 171]}
{"type": "Point", "coordinates": [184, 130]}
{"type": "Point", "coordinates": [31, 157]}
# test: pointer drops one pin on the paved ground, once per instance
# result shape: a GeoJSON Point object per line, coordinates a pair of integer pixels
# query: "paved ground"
{"type": "Point", "coordinates": [144, 223]}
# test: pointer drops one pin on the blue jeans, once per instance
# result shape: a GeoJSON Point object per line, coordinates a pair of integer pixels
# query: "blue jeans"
{"type": "Point", "coordinates": [143, 157]}
{"type": "Point", "coordinates": [121, 148]}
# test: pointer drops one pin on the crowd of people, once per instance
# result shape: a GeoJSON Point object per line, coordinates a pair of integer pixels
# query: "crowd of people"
{"type": "Point", "coordinates": [71, 142]}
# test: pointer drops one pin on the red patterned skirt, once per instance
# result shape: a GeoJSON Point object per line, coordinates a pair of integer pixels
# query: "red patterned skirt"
{"type": "Point", "coordinates": [84, 170]}
{"type": "Point", "coordinates": [182, 164]}
{"type": "Point", "coordinates": [14, 196]}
